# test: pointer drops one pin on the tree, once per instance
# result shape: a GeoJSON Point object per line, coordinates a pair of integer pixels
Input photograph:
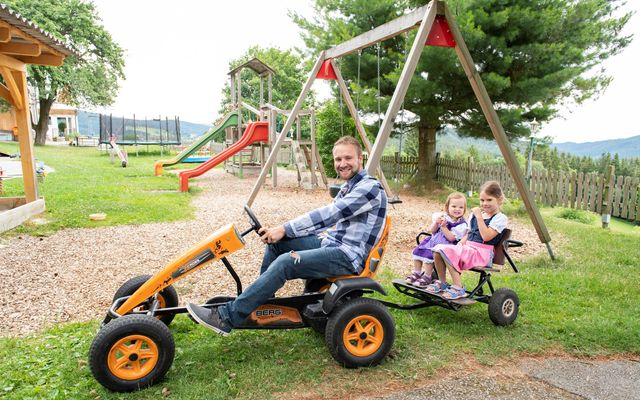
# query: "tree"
{"type": "Point", "coordinates": [533, 57]}
{"type": "Point", "coordinates": [89, 79]}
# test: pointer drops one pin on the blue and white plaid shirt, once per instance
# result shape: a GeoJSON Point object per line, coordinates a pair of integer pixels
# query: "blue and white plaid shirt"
{"type": "Point", "coordinates": [358, 213]}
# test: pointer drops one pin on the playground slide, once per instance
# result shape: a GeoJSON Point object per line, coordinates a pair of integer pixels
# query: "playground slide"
{"type": "Point", "coordinates": [255, 132]}
{"type": "Point", "coordinates": [228, 120]}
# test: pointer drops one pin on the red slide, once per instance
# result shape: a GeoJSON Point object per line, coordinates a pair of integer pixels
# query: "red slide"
{"type": "Point", "coordinates": [255, 132]}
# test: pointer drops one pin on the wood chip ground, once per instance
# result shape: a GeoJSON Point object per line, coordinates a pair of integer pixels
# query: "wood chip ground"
{"type": "Point", "coordinates": [72, 275]}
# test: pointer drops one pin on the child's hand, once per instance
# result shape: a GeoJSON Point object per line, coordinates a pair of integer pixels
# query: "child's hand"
{"type": "Point", "coordinates": [477, 211]}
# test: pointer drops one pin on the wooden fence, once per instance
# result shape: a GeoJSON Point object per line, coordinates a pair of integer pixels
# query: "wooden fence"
{"type": "Point", "coordinates": [618, 196]}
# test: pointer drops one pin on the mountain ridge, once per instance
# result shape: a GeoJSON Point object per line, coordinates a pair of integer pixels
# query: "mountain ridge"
{"type": "Point", "coordinates": [625, 147]}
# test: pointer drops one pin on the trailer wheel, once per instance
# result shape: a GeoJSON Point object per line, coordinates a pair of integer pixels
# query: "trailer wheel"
{"type": "Point", "coordinates": [360, 333]}
{"type": "Point", "coordinates": [503, 307]}
{"type": "Point", "coordinates": [132, 352]}
{"type": "Point", "coordinates": [167, 297]}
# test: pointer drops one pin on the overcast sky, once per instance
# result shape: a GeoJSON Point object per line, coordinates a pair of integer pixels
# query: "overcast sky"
{"type": "Point", "coordinates": [178, 54]}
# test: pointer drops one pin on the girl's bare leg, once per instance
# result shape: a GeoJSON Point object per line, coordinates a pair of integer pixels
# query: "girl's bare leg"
{"type": "Point", "coordinates": [456, 277]}
{"type": "Point", "coordinates": [428, 269]}
{"type": "Point", "coordinates": [440, 267]}
{"type": "Point", "coordinates": [417, 265]}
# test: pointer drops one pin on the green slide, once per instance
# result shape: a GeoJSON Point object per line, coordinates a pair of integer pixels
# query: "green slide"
{"type": "Point", "coordinates": [230, 119]}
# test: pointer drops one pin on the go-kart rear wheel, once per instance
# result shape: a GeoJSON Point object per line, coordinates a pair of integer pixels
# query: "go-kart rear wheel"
{"type": "Point", "coordinates": [167, 297]}
{"type": "Point", "coordinates": [131, 352]}
{"type": "Point", "coordinates": [503, 307]}
{"type": "Point", "coordinates": [360, 333]}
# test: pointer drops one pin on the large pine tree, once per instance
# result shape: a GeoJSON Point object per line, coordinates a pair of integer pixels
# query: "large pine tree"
{"type": "Point", "coordinates": [533, 56]}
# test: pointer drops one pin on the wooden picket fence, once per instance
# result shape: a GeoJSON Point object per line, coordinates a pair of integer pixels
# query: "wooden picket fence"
{"type": "Point", "coordinates": [618, 196]}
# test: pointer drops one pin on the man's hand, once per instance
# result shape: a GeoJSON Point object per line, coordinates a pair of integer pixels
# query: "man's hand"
{"type": "Point", "coordinates": [272, 235]}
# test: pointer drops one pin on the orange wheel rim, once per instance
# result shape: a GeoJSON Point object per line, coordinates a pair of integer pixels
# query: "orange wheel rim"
{"type": "Point", "coordinates": [133, 357]}
{"type": "Point", "coordinates": [363, 335]}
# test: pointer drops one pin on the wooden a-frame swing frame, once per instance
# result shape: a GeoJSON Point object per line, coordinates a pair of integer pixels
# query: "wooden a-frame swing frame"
{"type": "Point", "coordinates": [424, 18]}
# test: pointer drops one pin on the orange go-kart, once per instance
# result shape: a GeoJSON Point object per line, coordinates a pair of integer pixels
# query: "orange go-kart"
{"type": "Point", "coordinates": [134, 347]}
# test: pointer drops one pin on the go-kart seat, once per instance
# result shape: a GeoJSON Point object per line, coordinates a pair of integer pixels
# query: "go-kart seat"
{"type": "Point", "coordinates": [374, 258]}
{"type": "Point", "coordinates": [500, 253]}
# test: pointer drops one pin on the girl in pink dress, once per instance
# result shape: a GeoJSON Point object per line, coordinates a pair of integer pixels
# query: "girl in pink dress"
{"type": "Point", "coordinates": [475, 249]}
{"type": "Point", "coordinates": [447, 228]}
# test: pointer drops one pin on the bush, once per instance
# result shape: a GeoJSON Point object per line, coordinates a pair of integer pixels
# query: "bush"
{"type": "Point", "coordinates": [584, 217]}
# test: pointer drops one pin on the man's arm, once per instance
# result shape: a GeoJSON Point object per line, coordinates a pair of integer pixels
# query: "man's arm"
{"type": "Point", "coordinates": [361, 199]}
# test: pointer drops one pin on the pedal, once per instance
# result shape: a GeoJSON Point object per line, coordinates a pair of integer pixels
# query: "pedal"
{"type": "Point", "coordinates": [314, 311]}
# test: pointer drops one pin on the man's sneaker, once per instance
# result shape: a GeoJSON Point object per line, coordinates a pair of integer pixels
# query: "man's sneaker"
{"type": "Point", "coordinates": [209, 318]}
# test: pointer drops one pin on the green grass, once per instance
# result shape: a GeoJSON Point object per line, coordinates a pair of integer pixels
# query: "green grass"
{"type": "Point", "coordinates": [583, 304]}
{"type": "Point", "coordinates": [85, 182]}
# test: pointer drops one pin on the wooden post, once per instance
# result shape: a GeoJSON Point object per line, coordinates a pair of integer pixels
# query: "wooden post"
{"type": "Point", "coordinates": [25, 138]}
{"type": "Point", "coordinates": [261, 92]}
{"type": "Point", "coordinates": [273, 121]}
{"type": "Point", "coordinates": [498, 131]}
{"type": "Point", "coordinates": [469, 180]}
{"type": "Point", "coordinates": [232, 89]}
{"type": "Point", "coordinates": [607, 196]}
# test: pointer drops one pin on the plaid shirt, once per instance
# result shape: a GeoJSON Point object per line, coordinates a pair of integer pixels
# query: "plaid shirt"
{"type": "Point", "coordinates": [358, 213]}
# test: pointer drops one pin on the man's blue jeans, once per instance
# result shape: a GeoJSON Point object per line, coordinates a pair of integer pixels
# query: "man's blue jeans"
{"type": "Point", "coordinates": [278, 266]}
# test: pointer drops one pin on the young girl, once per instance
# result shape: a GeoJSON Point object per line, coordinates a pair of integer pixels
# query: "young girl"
{"type": "Point", "coordinates": [447, 227]}
{"type": "Point", "coordinates": [476, 248]}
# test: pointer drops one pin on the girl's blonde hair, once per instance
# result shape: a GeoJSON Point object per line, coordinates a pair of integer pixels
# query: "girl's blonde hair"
{"type": "Point", "coordinates": [493, 189]}
{"type": "Point", "coordinates": [455, 195]}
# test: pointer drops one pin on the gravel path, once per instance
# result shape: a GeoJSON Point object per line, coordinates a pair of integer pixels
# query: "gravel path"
{"type": "Point", "coordinates": [552, 378]}
{"type": "Point", "coordinates": [73, 274]}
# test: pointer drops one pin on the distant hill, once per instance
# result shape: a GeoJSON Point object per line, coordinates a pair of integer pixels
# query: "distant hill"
{"type": "Point", "coordinates": [190, 130]}
{"type": "Point", "coordinates": [626, 148]}
{"type": "Point", "coordinates": [450, 139]}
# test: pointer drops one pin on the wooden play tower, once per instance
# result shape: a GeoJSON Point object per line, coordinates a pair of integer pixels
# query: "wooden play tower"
{"type": "Point", "coordinates": [21, 43]}
{"type": "Point", "coordinates": [251, 160]}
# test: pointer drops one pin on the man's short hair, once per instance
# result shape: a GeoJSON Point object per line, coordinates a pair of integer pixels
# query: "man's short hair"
{"type": "Point", "coordinates": [349, 140]}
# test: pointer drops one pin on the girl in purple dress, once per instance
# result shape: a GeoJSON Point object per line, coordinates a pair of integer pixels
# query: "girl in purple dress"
{"type": "Point", "coordinates": [448, 227]}
{"type": "Point", "coordinates": [486, 225]}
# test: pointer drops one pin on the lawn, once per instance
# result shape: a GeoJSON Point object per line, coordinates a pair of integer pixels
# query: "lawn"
{"type": "Point", "coordinates": [86, 182]}
{"type": "Point", "coordinates": [585, 304]}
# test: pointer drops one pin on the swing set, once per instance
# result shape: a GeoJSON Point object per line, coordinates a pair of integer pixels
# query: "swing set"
{"type": "Point", "coordinates": [436, 27]}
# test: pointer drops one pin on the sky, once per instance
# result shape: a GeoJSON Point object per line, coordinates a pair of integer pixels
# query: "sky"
{"type": "Point", "coordinates": [177, 58]}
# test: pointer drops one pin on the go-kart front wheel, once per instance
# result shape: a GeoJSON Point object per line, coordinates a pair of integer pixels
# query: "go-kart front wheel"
{"type": "Point", "coordinates": [131, 352]}
{"type": "Point", "coordinates": [360, 333]}
{"type": "Point", "coordinates": [167, 297]}
{"type": "Point", "coordinates": [503, 307]}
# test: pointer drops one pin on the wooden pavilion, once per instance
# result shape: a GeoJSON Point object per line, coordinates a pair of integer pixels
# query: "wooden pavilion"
{"type": "Point", "coordinates": [22, 42]}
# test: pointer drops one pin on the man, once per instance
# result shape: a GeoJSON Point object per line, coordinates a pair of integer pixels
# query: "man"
{"type": "Point", "coordinates": [295, 251]}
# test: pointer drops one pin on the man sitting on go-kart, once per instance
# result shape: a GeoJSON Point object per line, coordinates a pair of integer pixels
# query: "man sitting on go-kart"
{"type": "Point", "coordinates": [295, 251]}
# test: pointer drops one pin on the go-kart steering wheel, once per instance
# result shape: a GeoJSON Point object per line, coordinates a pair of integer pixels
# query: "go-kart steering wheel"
{"type": "Point", "coordinates": [255, 224]}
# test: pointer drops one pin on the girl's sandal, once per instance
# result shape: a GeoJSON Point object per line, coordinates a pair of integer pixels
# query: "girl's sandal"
{"type": "Point", "coordinates": [411, 279]}
{"type": "Point", "coordinates": [423, 281]}
{"type": "Point", "coordinates": [453, 293]}
{"type": "Point", "coordinates": [436, 287]}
